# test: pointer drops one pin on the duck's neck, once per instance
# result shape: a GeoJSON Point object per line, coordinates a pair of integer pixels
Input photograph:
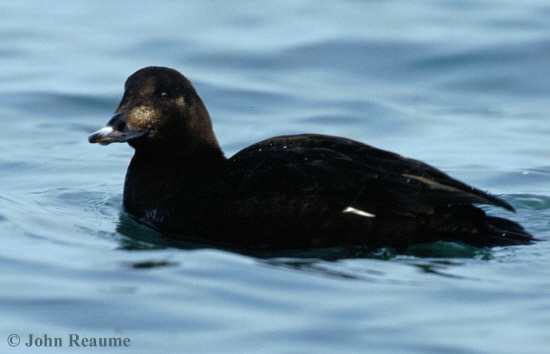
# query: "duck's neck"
{"type": "Point", "coordinates": [156, 175]}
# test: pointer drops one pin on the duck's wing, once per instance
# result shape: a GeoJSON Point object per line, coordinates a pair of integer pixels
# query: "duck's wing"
{"type": "Point", "coordinates": [342, 173]}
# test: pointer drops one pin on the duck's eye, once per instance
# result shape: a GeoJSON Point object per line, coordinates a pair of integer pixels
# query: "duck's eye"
{"type": "Point", "coordinates": [164, 96]}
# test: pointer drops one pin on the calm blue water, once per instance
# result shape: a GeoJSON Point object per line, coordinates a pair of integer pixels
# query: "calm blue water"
{"type": "Point", "coordinates": [462, 85]}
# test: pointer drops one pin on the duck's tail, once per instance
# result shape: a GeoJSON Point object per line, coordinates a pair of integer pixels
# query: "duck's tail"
{"type": "Point", "coordinates": [504, 232]}
{"type": "Point", "coordinates": [470, 225]}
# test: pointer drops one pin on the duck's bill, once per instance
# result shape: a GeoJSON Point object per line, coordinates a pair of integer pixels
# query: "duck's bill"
{"type": "Point", "coordinates": [116, 131]}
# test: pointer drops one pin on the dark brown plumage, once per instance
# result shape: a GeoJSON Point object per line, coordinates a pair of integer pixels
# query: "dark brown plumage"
{"type": "Point", "coordinates": [285, 192]}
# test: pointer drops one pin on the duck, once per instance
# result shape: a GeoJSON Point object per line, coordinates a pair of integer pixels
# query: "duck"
{"type": "Point", "coordinates": [286, 192]}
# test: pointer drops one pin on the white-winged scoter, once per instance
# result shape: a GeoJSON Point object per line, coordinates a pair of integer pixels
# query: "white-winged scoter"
{"type": "Point", "coordinates": [296, 191]}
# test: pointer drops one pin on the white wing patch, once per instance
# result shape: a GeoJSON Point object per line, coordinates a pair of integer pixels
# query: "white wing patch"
{"type": "Point", "coordinates": [352, 210]}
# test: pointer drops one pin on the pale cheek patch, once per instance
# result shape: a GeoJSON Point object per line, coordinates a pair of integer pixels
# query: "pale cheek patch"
{"type": "Point", "coordinates": [180, 101]}
{"type": "Point", "coordinates": [352, 210]}
{"type": "Point", "coordinates": [141, 118]}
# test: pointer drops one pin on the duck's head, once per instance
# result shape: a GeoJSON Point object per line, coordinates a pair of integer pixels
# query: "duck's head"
{"type": "Point", "coordinates": [159, 107]}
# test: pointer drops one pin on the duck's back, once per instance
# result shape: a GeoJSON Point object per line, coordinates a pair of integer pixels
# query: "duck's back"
{"type": "Point", "coordinates": [315, 190]}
